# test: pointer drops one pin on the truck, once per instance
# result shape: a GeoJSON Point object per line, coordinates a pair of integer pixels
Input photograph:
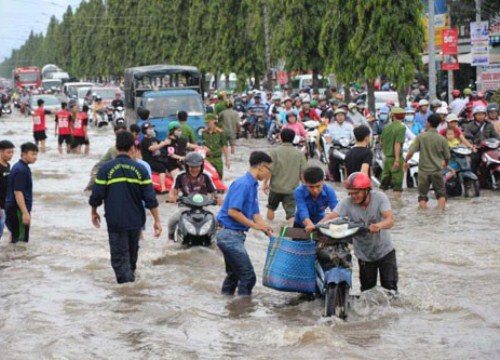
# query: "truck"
{"type": "Point", "coordinates": [165, 90]}
{"type": "Point", "coordinates": [27, 76]}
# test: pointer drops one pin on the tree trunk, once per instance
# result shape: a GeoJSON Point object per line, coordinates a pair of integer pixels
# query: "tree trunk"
{"type": "Point", "coordinates": [371, 95]}
{"type": "Point", "coordinates": [347, 93]}
{"type": "Point", "coordinates": [402, 95]}
{"type": "Point", "coordinates": [315, 80]}
{"type": "Point", "coordinates": [227, 82]}
{"type": "Point", "coordinates": [256, 84]}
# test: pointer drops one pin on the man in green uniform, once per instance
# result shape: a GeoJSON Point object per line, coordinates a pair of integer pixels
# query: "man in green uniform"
{"type": "Point", "coordinates": [230, 122]}
{"type": "Point", "coordinates": [392, 139]}
{"type": "Point", "coordinates": [187, 131]}
{"type": "Point", "coordinates": [220, 105]}
{"type": "Point", "coordinates": [215, 140]}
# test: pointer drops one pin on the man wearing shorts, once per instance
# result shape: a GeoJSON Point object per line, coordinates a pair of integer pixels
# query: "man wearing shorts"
{"type": "Point", "coordinates": [286, 169]}
{"type": "Point", "coordinates": [39, 124]}
{"type": "Point", "coordinates": [230, 121]}
{"type": "Point", "coordinates": [19, 198]}
{"type": "Point", "coordinates": [63, 128]}
{"type": "Point", "coordinates": [434, 157]}
{"type": "Point", "coordinates": [80, 135]}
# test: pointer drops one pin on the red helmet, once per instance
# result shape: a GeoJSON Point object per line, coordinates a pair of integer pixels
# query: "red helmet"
{"type": "Point", "coordinates": [358, 180]}
{"type": "Point", "coordinates": [456, 92]}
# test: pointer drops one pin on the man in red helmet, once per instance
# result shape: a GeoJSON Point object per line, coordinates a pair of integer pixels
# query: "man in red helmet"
{"type": "Point", "coordinates": [374, 249]}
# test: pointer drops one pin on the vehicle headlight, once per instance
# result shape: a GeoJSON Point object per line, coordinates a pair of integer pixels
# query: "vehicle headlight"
{"type": "Point", "coordinates": [206, 227]}
{"type": "Point", "coordinates": [190, 228]}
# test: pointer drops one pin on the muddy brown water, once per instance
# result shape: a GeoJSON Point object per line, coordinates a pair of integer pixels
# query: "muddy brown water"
{"type": "Point", "coordinates": [59, 300]}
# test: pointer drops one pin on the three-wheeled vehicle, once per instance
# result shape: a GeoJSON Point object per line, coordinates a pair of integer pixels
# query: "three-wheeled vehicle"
{"type": "Point", "coordinates": [164, 90]}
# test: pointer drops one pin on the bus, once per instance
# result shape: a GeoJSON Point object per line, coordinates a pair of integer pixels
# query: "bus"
{"type": "Point", "coordinates": [28, 76]}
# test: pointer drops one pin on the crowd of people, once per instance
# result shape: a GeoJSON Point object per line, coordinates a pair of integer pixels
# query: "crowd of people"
{"type": "Point", "coordinates": [122, 179]}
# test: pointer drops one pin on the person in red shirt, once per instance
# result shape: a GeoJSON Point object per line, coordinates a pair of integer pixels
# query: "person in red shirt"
{"type": "Point", "coordinates": [80, 135]}
{"type": "Point", "coordinates": [38, 116]}
{"type": "Point", "coordinates": [63, 128]}
{"type": "Point", "coordinates": [307, 113]}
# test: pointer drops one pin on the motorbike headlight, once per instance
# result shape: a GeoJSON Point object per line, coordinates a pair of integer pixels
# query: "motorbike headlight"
{"type": "Point", "coordinates": [190, 228]}
{"type": "Point", "coordinates": [206, 227]}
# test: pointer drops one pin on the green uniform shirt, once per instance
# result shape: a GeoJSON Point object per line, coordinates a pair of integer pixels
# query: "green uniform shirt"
{"type": "Point", "coordinates": [219, 107]}
{"type": "Point", "coordinates": [393, 133]}
{"type": "Point", "coordinates": [214, 141]}
{"type": "Point", "coordinates": [286, 168]}
{"type": "Point", "coordinates": [433, 149]}
{"type": "Point", "coordinates": [230, 120]}
{"type": "Point", "coordinates": [188, 133]}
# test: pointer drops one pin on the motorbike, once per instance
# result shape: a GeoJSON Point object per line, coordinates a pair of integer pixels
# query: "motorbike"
{"type": "Point", "coordinates": [412, 173]}
{"type": "Point", "coordinates": [338, 151]}
{"type": "Point", "coordinates": [118, 115]}
{"type": "Point", "coordinates": [333, 261]}
{"type": "Point", "coordinates": [6, 109]}
{"type": "Point", "coordinates": [310, 147]}
{"type": "Point", "coordinates": [196, 226]}
{"type": "Point", "coordinates": [489, 170]}
{"type": "Point", "coordinates": [101, 119]}
{"type": "Point", "coordinates": [464, 181]}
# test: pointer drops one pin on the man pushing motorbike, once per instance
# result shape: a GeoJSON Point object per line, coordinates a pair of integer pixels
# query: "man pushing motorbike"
{"type": "Point", "coordinates": [374, 249]}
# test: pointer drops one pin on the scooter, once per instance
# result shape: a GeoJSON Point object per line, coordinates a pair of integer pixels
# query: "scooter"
{"type": "Point", "coordinates": [489, 169]}
{"type": "Point", "coordinates": [101, 119]}
{"type": "Point", "coordinates": [338, 151]}
{"type": "Point", "coordinates": [196, 226]}
{"type": "Point", "coordinates": [310, 148]}
{"type": "Point", "coordinates": [6, 109]}
{"type": "Point", "coordinates": [118, 115]}
{"type": "Point", "coordinates": [464, 182]}
{"type": "Point", "coordinates": [412, 173]}
{"type": "Point", "coordinates": [333, 261]}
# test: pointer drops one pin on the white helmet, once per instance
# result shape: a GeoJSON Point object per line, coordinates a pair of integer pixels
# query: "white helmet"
{"type": "Point", "coordinates": [479, 109]}
{"type": "Point", "coordinates": [442, 111]}
{"type": "Point", "coordinates": [423, 102]}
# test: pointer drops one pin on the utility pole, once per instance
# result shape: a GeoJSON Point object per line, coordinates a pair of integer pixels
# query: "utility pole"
{"type": "Point", "coordinates": [266, 44]}
{"type": "Point", "coordinates": [432, 53]}
{"type": "Point", "coordinates": [451, 80]}
{"type": "Point", "coordinates": [478, 68]}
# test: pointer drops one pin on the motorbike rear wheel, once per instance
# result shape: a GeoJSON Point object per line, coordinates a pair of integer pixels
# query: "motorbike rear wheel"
{"type": "Point", "coordinates": [471, 188]}
{"type": "Point", "coordinates": [336, 300]}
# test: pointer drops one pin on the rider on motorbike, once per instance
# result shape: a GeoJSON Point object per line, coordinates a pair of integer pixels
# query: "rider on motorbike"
{"type": "Point", "coordinates": [492, 110]}
{"type": "Point", "coordinates": [337, 130]}
{"type": "Point", "coordinates": [374, 250]}
{"type": "Point", "coordinates": [478, 130]}
{"type": "Point", "coordinates": [117, 101]}
{"type": "Point", "coordinates": [297, 127]}
{"type": "Point", "coordinates": [98, 108]}
{"type": "Point", "coordinates": [192, 180]}
{"type": "Point", "coordinates": [255, 112]}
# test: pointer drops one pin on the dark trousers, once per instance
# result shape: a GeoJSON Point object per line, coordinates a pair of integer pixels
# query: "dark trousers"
{"type": "Point", "coordinates": [334, 167]}
{"type": "Point", "coordinates": [14, 222]}
{"type": "Point", "coordinates": [388, 269]}
{"type": "Point", "coordinates": [239, 269]}
{"type": "Point", "coordinates": [124, 247]}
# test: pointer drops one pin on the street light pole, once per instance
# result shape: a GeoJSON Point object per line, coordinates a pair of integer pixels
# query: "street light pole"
{"type": "Point", "coordinates": [478, 68]}
{"type": "Point", "coordinates": [432, 53]}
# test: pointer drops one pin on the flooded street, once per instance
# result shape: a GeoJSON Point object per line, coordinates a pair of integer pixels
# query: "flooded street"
{"type": "Point", "coordinates": [59, 299]}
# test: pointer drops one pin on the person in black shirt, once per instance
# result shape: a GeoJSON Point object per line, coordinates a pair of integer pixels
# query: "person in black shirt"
{"type": "Point", "coordinates": [117, 101]}
{"type": "Point", "coordinates": [360, 157]}
{"type": "Point", "coordinates": [6, 154]}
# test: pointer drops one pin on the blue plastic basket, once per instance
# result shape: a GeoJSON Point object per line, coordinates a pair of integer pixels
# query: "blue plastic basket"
{"type": "Point", "coordinates": [290, 265]}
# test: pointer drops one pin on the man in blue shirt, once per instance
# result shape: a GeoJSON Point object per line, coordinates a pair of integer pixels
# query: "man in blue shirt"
{"type": "Point", "coordinates": [239, 213]}
{"type": "Point", "coordinates": [19, 198]}
{"type": "Point", "coordinates": [123, 185]}
{"type": "Point", "coordinates": [313, 198]}
{"type": "Point", "coordinates": [255, 112]}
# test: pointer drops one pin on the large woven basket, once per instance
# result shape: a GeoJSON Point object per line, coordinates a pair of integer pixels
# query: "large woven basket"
{"type": "Point", "coordinates": [290, 265]}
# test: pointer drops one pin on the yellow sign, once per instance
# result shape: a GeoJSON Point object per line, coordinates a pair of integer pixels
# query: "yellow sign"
{"type": "Point", "coordinates": [440, 23]}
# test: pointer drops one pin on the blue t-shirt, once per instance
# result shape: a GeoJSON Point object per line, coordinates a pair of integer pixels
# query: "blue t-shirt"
{"type": "Point", "coordinates": [242, 196]}
{"type": "Point", "coordinates": [313, 209]}
{"type": "Point", "coordinates": [20, 180]}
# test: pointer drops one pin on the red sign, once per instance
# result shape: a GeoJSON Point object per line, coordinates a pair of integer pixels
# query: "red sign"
{"type": "Point", "coordinates": [450, 41]}
{"type": "Point", "coordinates": [450, 62]}
{"type": "Point", "coordinates": [282, 77]}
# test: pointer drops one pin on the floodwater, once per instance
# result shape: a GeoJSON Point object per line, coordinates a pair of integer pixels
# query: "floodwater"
{"type": "Point", "coordinates": [59, 299]}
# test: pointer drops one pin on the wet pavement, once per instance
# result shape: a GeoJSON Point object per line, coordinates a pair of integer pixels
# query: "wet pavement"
{"type": "Point", "coordinates": [59, 299]}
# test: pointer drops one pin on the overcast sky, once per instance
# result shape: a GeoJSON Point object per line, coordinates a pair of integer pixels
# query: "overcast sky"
{"type": "Point", "coordinates": [19, 17]}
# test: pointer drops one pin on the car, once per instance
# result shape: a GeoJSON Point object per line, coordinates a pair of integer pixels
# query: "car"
{"type": "Point", "coordinates": [52, 103]}
{"type": "Point", "coordinates": [381, 98]}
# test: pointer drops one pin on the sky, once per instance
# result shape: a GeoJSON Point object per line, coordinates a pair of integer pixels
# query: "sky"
{"type": "Point", "coordinates": [19, 17]}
